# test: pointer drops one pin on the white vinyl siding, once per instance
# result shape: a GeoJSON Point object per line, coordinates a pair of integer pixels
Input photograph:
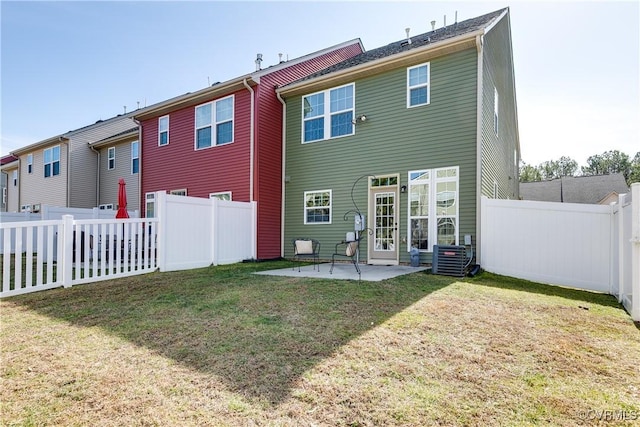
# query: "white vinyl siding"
{"type": "Point", "coordinates": [29, 163]}
{"type": "Point", "coordinates": [495, 110]}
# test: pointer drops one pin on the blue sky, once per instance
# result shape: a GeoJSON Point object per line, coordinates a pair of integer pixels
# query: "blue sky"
{"type": "Point", "coordinates": [65, 65]}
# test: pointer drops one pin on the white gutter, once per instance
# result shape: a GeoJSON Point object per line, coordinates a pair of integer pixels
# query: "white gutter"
{"type": "Point", "coordinates": [251, 139]}
{"type": "Point", "coordinates": [479, 41]}
{"type": "Point", "coordinates": [284, 157]}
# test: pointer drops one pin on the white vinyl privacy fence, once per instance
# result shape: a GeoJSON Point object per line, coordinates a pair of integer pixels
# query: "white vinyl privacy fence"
{"type": "Point", "coordinates": [592, 247]}
{"type": "Point", "coordinates": [187, 232]}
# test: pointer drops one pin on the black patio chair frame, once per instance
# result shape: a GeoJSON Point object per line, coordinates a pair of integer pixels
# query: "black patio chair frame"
{"type": "Point", "coordinates": [306, 248]}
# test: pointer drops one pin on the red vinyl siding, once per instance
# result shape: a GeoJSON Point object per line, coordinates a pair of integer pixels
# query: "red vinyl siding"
{"type": "Point", "coordinates": [226, 168]}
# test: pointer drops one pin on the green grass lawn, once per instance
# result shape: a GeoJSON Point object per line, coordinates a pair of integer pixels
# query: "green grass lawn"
{"type": "Point", "coordinates": [222, 346]}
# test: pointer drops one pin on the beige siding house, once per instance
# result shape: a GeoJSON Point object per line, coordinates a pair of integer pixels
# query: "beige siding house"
{"type": "Point", "coordinates": [9, 180]}
{"type": "Point", "coordinates": [118, 157]}
{"type": "Point", "coordinates": [61, 171]}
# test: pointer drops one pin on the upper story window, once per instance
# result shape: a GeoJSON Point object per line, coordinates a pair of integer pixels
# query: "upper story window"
{"type": "Point", "coordinates": [52, 161]}
{"type": "Point", "coordinates": [29, 163]}
{"type": "Point", "coordinates": [135, 157]}
{"type": "Point", "coordinates": [111, 158]}
{"type": "Point", "coordinates": [317, 207]}
{"type": "Point", "coordinates": [214, 123]}
{"type": "Point", "coordinates": [163, 130]}
{"type": "Point", "coordinates": [14, 177]}
{"type": "Point", "coordinates": [320, 121]}
{"type": "Point", "coordinates": [418, 85]}
{"type": "Point", "coordinates": [495, 110]}
{"type": "Point", "coordinates": [225, 195]}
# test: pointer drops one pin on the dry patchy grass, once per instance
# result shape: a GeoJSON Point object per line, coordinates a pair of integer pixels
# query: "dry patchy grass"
{"type": "Point", "coordinates": [221, 346]}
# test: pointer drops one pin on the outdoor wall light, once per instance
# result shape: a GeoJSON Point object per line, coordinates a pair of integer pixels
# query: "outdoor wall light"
{"type": "Point", "coordinates": [360, 118]}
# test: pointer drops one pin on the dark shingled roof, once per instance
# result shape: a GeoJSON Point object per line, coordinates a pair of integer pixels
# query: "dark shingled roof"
{"type": "Point", "coordinates": [581, 189]}
{"type": "Point", "coordinates": [440, 34]}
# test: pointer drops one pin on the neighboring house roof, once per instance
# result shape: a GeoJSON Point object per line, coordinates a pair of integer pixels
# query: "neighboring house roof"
{"type": "Point", "coordinates": [222, 88]}
{"type": "Point", "coordinates": [8, 159]}
{"type": "Point", "coordinates": [439, 36]}
{"type": "Point", "coordinates": [119, 137]}
{"type": "Point", "coordinates": [594, 189]}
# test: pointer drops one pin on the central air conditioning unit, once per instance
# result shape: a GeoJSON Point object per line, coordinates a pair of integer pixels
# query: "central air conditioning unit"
{"type": "Point", "coordinates": [449, 260]}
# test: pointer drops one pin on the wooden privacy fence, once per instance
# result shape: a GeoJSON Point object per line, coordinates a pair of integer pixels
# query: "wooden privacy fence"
{"type": "Point", "coordinates": [592, 247]}
{"type": "Point", "coordinates": [187, 232]}
{"type": "Point", "coordinates": [39, 255]}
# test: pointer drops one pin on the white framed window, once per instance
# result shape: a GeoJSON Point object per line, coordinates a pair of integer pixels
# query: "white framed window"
{"type": "Point", "coordinates": [29, 163]}
{"type": "Point", "coordinates": [433, 208]}
{"type": "Point", "coordinates": [214, 123]}
{"type": "Point", "coordinates": [163, 130]}
{"type": "Point", "coordinates": [328, 114]}
{"type": "Point", "coordinates": [111, 158]}
{"type": "Point", "coordinates": [135, 157]}
{"type": "Point", "coordinates": [14, 177]}
{"type": "Point", "coordinates": [150, 205]}
{"type": "Point", "coordinates": [317, 207]}
{"type": "Point", "coordinates": [495, 111]}
{"type": "Point", "coordinates": [179, 192]}
{"type": "Point", "coordinates": [224, 195]}
{"type": "Point", "coordinates": [4, 195]}
{"type": "Point", "coordinates": [52, 161]}
{"type": "Point", "coordinates": [105, 206]}
{"type": "Point", "coordinates": [418, 85]}
{"type": "Point", "coordinates": [25, 208]}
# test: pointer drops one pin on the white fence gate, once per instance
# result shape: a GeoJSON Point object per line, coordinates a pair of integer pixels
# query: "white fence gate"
{"type": "Point", "coordinates": [188, 232]}
{"type": "Point", "coordinates": [591, 247]}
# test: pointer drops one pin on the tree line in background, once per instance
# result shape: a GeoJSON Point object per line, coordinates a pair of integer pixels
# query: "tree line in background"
{"type": "Point", "coordinates": [609, 162]}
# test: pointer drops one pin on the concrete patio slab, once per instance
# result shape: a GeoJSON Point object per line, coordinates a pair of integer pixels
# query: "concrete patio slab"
{"type": "Point", "coordinates": [343, 271]}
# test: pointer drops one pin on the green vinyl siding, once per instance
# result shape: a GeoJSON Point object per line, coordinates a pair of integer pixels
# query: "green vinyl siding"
{"type": "Point", "coordinates": [393, 140]}
{"type": "Point", "coordinates": [498, 151]}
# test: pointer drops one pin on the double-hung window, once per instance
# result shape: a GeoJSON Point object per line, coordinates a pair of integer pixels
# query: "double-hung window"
{"type": "Point", "coordinates": [317, 207]}
{"type": "Point", "coordinates": [111, 158]}
{"type": "Point", "coordinates": [29, 163]}
{"type": "Point", "coordinates": [163, 130]}
{"type": "Point", "coordinates": [52, 161]}
{"type": "Point", "coordinates": [135, 157]}
{"type": "Point", "coordinates": [418, 86]}
{"type": "Point", "coordinates": [328, 114]}
{"type": "Point", "coordinates": [214, 123]}
{"type": "Point", "coordinates": [433, 207]}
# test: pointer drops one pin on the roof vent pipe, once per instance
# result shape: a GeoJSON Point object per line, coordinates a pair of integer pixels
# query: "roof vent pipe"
{"type": "Point", "coordinates": [433, 25]}
{"type": "Point", "coordinates": [445, 21]}
{"type": "Point", "coordinates": [280, 58]}
{"type": "Point", "coordinates": [456, 21]}
{"type": "Point", "coordinates": [258, 61]}
{"type": "Point", "coordinates": [407, 31]}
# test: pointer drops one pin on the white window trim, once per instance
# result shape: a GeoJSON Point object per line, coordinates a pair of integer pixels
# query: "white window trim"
{"type": "Point", "coordinates": [304, 207]}
{"type": "Point", "coordinates": [14, 178]}
{"type": "Point", "coordinates": [214, 123]}
{"type": "Point", "coordinates": [427, 85]}
{"type": "Point", "coordinates": [179, 192]}
{"type": "Point", "coordinates": [496, 115]}
{"type": "Point", "coordinates": [149, 199]}
{"type": "Point", "coordinates": [52, 160]}
{"type": "Point", "coordinates": [106, 206]}
{"type": "Point", "coordinates": [111, 155]}
{"type": "Point", "coordinates": [221, 193]}
{"type": "Point", "coordinates": [136, 157]}
{"type": "Point", "coordinates": [327, 114]}
{"type": "Point", "coordinates": [160, 131]}
{"type": "Point", "coordinates": [30, 163]}
{"type": "Point", "coordinates": [433, 204]}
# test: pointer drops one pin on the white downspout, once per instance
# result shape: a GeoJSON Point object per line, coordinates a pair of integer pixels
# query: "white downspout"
{"type": "Point", "coordinates": [97, 175]}
{"type": "Point", "coordinates": [62, 140]}
{"type": "Point", "coordinates": [251, 140]}
{"type": "Point", "coordinates": [142, 199]}
{"type": "Point", "coordinates": [284, 156]}
{"type": "Point", "coordinates": [479, 41]}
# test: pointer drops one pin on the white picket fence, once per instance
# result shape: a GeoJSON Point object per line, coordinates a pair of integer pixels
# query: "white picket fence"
{"type": "Point", "coordinates": [590, 247]}
{"type": "Point", "coordinates": [187, 232]}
